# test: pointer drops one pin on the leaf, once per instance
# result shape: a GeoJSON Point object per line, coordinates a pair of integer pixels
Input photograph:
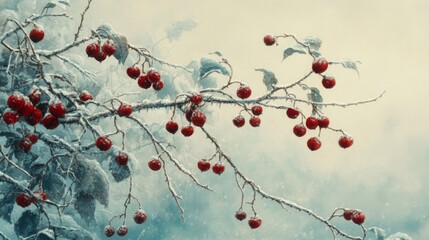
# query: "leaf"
{"type": "Point", "coordinates": [399, 236]}
{"type": "Point", "coordinates": [85, 206]}
{"type": "Point", "coordinates": [209, 66]}
{"type": "Point", "coordinates": [7, 202]}
{"type": "Point", "coordinates": [313, 43]}
{"type": "Point", "coordinates": [297, 48]}
{"type": "Point", "coordinates": [270, 79]}
{"type": "Point", "coordinates": [51, 4]}
{"type": "Point", "coordinates": [121, 44]}
{"type": "Point", "coordinates": [54, 185]}
{"type": "Point", "coordinates": [379, 233]}
{"type": "Point", "coordinates": [119, 173]}
{"type": "Point", "coordinates": [92, 180]}
{"type": "Point", "coordinates": [350, 64]}
{"type": "Point", "coordinates": [315, 96]}
{"type": "Point", "coordinates": [65, 2]}
{"type": "Point", "coordinates": [104, 30]}
{"type": "Point", "coordinates": [46, 234]}
{"type": "Point", "coordinates": [27, 224]}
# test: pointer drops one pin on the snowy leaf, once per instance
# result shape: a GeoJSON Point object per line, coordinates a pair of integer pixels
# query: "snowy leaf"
{"type": "Point", "coordinates": [27, 224]}
{"type": "Point", "coordinates": [350, 64]}
{"type": "Point", "coordinates": [119, 173]}
{"type": "Point", "coordinates": [85, 206]}
{"type": "Point", "coordinates": [209, 66]}
{"type": "Point", "coordinates": [65, 2]}
{"type": "Point", "coordinates": [315, 96]}
{"type": "Point", "coordinates": [121, 44]}
{"type": "Point", "coordinates": [104, 30]}
{"type": "Point", "coordinates": [178, 28]}
{"type": "Point", "coordinates": [270, 79]}
{"type": "Point", "coordinates": [313, 43]}
{"type": "Point", "coordinates": [379, 233]}
{"type": "Point", "coordinates": [399, 236]}
{"type": "Point", "coordinates": [46, 234]}
{"type": "Point", "coordinates": [294, 49]}
{"type": "Point", "coordinates": [54, 185]}
{"type": "Point", "coordinates": [7, 202]}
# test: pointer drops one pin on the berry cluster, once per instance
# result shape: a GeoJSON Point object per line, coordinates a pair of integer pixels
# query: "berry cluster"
{"type": "Point", "coordinates": [100, 54]}
{"type": "Point", "coordinates": [355, 215]}
{"type": "Point", "coordinates": [139, 218]}
{"type": "Point", "coordinates": [150, 79]}
{"type": "Point", "coordinates": [254, 222]}
{"type": "Point", "coordinates": [23, 200]}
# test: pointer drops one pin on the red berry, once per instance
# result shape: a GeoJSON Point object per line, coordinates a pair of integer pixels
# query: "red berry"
{"type": "Point", "coordinates": [25, 144]}
{"type": "Point", "coordinates": [41, 195]}
{"type": "Point", "coordinates": [188, 113]}
{"type": "Point", "coordinates": [23, 200]}
{"type": "Point", "coordinates": [312, 123]}
{"type": "Point", "coordinates": [27, 109]}
{"type": "Point", "coordinates": [172, 127]}
{"type": "Point", "coordinates": [187, 131]}
{"type": "Point", "coordinates": [198, 118]}
{"type": "Point", "coordinates": [103, 143]}
{"type": "Point", "coordinates": [314, 143]}
{"type": "Point", "coordinates": [154, 164]}
{"type": "Point", "coordinates": [92, 50]}
{"type": "Point", "coordinates": [101, 56]}
{"type": "Point", "coordinates": [239, 121]}
{"type": "Point", "coordinates": [328, 82]}
{"type": "Point", "coordinates": [125, 110]}
{"type": "Point", "coordinates": [108, 48]}
{"type": "Point", "coordinates": [320, 65]}
{"type": "Point", "coordinates": [85, 96]}
{"type": "Point", "coordinates": [269, 40]}
{"type": "Point", "coordinates": [122, 231]}
{"type": "Point", "coordinates": [50, 122]}
{"type": "Point", "coordinates": [34, 96]}
{"type": "Point", "coordinates": [254, 222]}
{"type": "Point", "coordinates": [121, 158]}
{"type": "Point", "coordinates": [140, 216]}
{"type": "Point", "coordinates": [16, 101]}
{"type": "Point", "coordinates": [32, 137]}
{"type": "Point", "coordinates": [37, 34]}
{"type": "Point", "coordinates": [57, 109]}
{"type": "Point", "coordinates": [153, 76]}
{"type": "Point", "coordinates": [348, 215]}
{"type": "Point", "coordinates": [34, 118]}
{"type": "Point", "coordinates": [358, 217]}
{"type": "Point", "coordinates": [299, 130]}
{"type": "Point", "coordinates": [292, 113]}
{"type": "Point", "coordinates": [109, 231]}
{"type": "Point", "coordinates": [255, 121]}
{"type": "Point", "coordinates": [257, 110]}
{"type": "Point", "coordinates": [218, 168]}
{"type": "Point", "coordinates": [158, 85]}
{"type": "Point", "coordinates": [144, 82]}
{"type": "Point", "coordinates": [133, 72]}
{"type": "Point", "coordinates": [10, 117]}
{"type": "Point", "coordinates": [244, 92]}
{"type": "Point", "coordinates": [203, 165]}
{"type": "Point", "coordinates": [345, 141]}
{"type": "Point", "coordinates": [240, 215]}
{"type": "Point", "coordinates": [323, 122]}
{"type": "Point", "coordinates": [196, 99]}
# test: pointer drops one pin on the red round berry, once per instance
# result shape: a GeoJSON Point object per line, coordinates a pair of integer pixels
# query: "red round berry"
{"type": "Point", "coordinates": [125, 110]}
{"type": "Point", "coordinates": [299, 130]}
{"type": "Point", "coordinates": [37, 34]}
{"type": "Point", "coordinates": [240, 215]}
{"type": "Point", "coordinates": [187, 131]}
{"type": "Point", "coordinates": [32, 137]}
{"type": "Point", "coordinates": [85, 96]}
{"type": "Point", "coordinates": [50, 121]}
{"type": "Point", "coordinates": [23, 200]}
{"type": "Point", "coordinates": [218, 168]}
{"type": "Point", "coordinates": [140, 216]}
{"type": "Point", "coordinates": [239, 121]}
{"type": "Point", "coordinates": [16, 101]}
{"type": "Point", "coordinates": [255, 121]}
{"type": "Point", "coordinates": [92, 50]}
{"type": "Point", "coordinates": [34, 118]}
{"type": "Point", "coordinates": [158, 85]}
{"type": "Point", "coordinates": [257, 110]}
{"type": "Point", "coordinates": [203, 165]}
{"type": "Point", "coordinates": [153, 76]}
{"type": "Point", "coordinates": [312, 123]}
{"type": "Point", "coordinates": [109, 231]}
{"type": "Point", "coordinates": [109, 48]}
{"type": "Point", "coordinates": [292, 113]}
{"type": "Point", "coordinates": [196, 99]}
{"type": "Point", "coordinates": [320, 65]}
{"type": "Point", "coordinates": [254, 222]}
{"type": "Point", "coordinates": [188, 113]}
{"type": "Point", "coordinates": [41, 195]}
{"type": "Point", "coordinates": [10, 117]}
{"type": "Point", "coordinates": [154, 164]}
{"type": "Point", "coordinates": [122, 231]}
{"type": "Point", "coordinates": [103, 143]}
{"type": "Point", "coordinates": [323, 122]}
{"type": "Point", "coordinates": [25, 144]}
{"type": "Point", "coordinates": [133, 72]}
{"type": "Point", "coordinates": [348, 214]}
{"type": "Point", "coordinates": [345, 141]}
{"type": "Point", "coordinates": [314, 143]}
{"type": "Point", "coordinates": [358, 217]}
{"type": "Point", "coordinates": [198, 118]}
{"type": "Point", "coordinates": [172, 127]}
{"type": "Point", "coordinates": [101, 56]}
{"type": "Point", "coordinates": [328, 82]}
{"type": "Point", "coordinates": [244, 92]}
{"type": "Point", "coordinates": [269, 40]}
{"type": "Point", "coordinates": [27, 109]}
{"type": "Point", "coordinates": [121, 158]}
{"type": "Point", "coordinates": [57, 109]}
{"type": "Point", "coordinates": [144, 82]}
{"type": "Point", "coordinates": [34, 96]}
